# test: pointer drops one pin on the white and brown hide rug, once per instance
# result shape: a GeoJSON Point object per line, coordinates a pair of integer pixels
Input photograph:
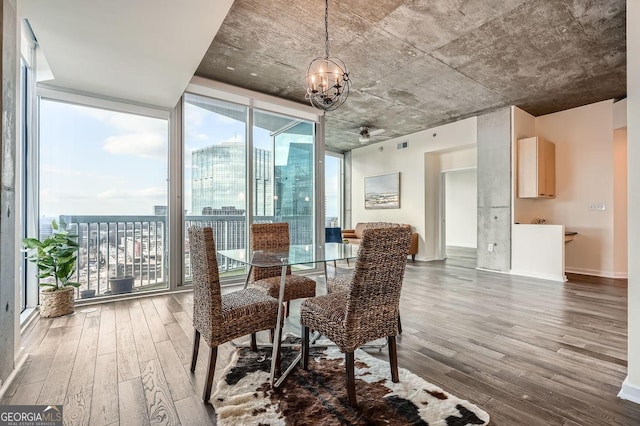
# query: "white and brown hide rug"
{"type": "Point", "coordinates": [318, 396]}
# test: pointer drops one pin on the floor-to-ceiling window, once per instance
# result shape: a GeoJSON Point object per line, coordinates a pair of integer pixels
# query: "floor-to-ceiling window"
{"type": "Point", "coordinates": [215, 184]}
{"type": "Point", "coordinates": [333, 199]}
{"type": "Point", "coordinates": [283, 173]}
{"type": "Point", "coordinates": [245, 165]}
{"type": "Point", "coordinates": [103, 174]}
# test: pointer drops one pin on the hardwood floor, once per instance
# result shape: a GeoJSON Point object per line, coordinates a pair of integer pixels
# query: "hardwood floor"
{"type": "Point", "coordinates": [530, 352]}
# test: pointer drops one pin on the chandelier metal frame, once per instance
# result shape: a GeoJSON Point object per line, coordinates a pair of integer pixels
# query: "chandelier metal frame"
{"type": "Point", "coordinates": [327, 79]}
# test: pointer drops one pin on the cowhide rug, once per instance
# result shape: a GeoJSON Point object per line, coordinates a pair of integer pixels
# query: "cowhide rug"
{"type": "Point", "coordinates": [318, 396]}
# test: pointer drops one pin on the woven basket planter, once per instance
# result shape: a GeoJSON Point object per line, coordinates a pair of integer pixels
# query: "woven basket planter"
{"type": "Point", "coordinates": [56, 303]}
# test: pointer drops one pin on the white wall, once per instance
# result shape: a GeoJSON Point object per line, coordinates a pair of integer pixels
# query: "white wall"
{"type": "Point", "coordinates": [461, 208]}
{"type": "Point", "coordinates": [631, 387]}
{"type": "Point", "coordinates": [584, 175]}
{"type": "Point", "coordinates": [620, 228]}
{"type": "Point", "coordinates": [419, 178]}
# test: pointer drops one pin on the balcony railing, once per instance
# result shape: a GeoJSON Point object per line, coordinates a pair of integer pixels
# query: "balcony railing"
{"type": "Point", "coordinates": [136, 246]}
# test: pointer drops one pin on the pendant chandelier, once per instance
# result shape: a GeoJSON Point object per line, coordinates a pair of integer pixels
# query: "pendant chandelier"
{"type": "Point", "coordinates": [327, 80]}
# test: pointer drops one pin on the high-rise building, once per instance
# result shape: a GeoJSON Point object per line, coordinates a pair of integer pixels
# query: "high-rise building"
{"type": "Point", "coordinates": [218, 179]}
{"type": "Point", "coordinates": [294, 190]}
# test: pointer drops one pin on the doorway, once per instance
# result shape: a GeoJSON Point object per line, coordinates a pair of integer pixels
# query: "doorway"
{"type": "Point", "coordinates": [459, 226]}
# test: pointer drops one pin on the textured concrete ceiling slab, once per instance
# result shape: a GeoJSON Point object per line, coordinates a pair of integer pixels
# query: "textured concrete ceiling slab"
{"type": "Point", "coordinates": [145, 50]}
{"type": "Point", "coordinates": [422, 63]}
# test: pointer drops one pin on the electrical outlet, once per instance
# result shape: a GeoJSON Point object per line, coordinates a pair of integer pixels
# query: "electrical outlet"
{"type": "Point", "coordinates": [597, 207]}
{"type": "Point", "coordinates": [490, 247]}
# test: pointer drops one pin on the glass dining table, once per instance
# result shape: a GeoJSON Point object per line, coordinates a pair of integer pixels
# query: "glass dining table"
{"type": "Point", "coordinates": [294, 255]}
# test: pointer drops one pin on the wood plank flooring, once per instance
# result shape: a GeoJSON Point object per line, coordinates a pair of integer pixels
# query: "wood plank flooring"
{"type": "Point", "coordinates": [530, 352]}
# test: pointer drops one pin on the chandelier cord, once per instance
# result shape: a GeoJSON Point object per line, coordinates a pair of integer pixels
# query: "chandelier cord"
{"type": "Point", "coordinates": [326, 28]}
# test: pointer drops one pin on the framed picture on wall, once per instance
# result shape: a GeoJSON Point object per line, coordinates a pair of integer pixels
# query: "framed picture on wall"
{"type": "Point", "coordinates": [382, 191]}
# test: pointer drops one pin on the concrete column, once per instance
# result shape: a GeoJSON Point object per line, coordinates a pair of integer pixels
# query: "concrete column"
{"type": "Point", "coordinates": [494, 190]}
{"type": "Point", "coordinates": [8, 68]}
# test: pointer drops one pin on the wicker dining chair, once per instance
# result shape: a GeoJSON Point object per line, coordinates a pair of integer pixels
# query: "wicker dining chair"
{"type": "Point", "coordinates": [275, 236]}
{"type": "Point", "coordinates": [369, 308]}
{"type": "Point", "coordinates": [217, 317]}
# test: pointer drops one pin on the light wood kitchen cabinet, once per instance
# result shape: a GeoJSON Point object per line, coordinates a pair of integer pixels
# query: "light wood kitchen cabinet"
{"type": "Point", "coordinates": [536, 168]}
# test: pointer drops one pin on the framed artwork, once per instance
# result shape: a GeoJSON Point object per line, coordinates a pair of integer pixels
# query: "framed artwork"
{"type": "Point", "coordinates": [382, 191]}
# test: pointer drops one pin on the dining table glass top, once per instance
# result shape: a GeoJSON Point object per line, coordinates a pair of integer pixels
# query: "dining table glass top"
{"type": "Point", "coordinates": [293, 254]}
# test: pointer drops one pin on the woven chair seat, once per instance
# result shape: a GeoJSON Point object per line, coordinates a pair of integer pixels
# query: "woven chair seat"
{"type": "Point", "coordinates": [244, 312]}
{"type": "Point", "coordinates": [327, 313]}
{"type": "Point", "coordinates": [295, 287]}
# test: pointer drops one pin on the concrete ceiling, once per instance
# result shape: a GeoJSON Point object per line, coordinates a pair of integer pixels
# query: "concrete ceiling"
{"type": "Point", "coordinates": [420, 63]}
{"type": "Point", "coordinates": [143, 50]}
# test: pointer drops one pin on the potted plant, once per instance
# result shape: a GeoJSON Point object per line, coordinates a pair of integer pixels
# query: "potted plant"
{"type": "Point", "coordinates": [55, 258]}
{"type": "Point", "coordinates": [119, 282]}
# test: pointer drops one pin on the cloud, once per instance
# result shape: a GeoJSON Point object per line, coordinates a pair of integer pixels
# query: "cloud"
{"type": "Point", "coordinates": [146, 145]}
{"type": "Point", "coordinates": [154, 192]}
{"type": "Point", "coordinates": [234, 138]}
{"type": "Point", "coordinates": [125, 122]}
{"type": "Point", "coordinates": [69, 172]}
{"type": "Point", "coordinates": [198, 136]}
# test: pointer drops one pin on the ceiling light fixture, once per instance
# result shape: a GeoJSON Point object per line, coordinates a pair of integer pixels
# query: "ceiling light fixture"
{"type": "Point", "coordinates": [327, 80]}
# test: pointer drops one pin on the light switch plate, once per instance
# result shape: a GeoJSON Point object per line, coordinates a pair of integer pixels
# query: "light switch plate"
{"type": "Point", "coordinates": [597, 207]}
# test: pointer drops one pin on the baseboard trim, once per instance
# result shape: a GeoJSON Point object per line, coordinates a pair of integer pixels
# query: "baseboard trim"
{"type": "Point", "coordinates": [21, 358]}
{"type": "Point", "coordinates": [492, 270]}
{"type": "Point", "coordinates": [548, 277]}
{"type": "Point", "coordinates": [629, 392]}
{"type": "Point", "coordinates": [598, 273]}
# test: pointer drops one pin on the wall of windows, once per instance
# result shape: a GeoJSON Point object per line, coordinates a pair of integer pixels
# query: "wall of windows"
{"type": "Point", "coordinates": [129, 180]}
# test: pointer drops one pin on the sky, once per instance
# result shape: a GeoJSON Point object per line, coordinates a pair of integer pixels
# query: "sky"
{"type": "Point", "coordinates": [100, 162]}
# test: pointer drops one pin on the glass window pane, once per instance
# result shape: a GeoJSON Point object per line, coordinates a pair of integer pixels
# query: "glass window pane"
{"type": "Point", "coordinates": [104, 173]}
{"type": "Point", "coordinates": [332, 191]}
{"type": "Point", "coordinates": [215, 175]}
{"type": "Point", "coordinates": [286, 183]}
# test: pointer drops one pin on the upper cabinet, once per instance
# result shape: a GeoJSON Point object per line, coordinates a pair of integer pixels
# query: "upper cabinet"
{"type": "Point", "coordinates": [536, 168]}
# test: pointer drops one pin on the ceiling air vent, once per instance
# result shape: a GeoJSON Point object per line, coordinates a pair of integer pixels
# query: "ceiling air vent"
{"type": "Point", "coordinates": [403, 145]}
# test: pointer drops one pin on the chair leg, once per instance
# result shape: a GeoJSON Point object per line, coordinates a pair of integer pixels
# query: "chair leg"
{"type": "Point", "coordinates": [413, 258]}
{"type": "Point", "coordinates": [393, 358]}
{"type": "Point", "coordinates": [351, 379]}
{"type": "Point", "coordinates": [196, 347]}
{"type": "Point", "coordinates": [211, 368]}
{"type": "Point", "coordinates": [287, 307]}
{"type": "Point", "coordinates": [254, 344]}
{"type": "Point", "coordinates": [399, 325]}
{"type": "Point", "coordinates": [305, 347]}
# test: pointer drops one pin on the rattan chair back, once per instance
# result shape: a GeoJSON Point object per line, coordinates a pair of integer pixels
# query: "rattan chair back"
{"type": "Point", "coordinates": [374, 294]}
{"type": "Point", "coordinates": [207, 299]}
{"type": "Point", "coordinates": [271, 237]}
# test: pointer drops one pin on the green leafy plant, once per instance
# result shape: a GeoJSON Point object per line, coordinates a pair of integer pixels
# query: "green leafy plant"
{"type": "Point", "coordinates": [55, 257]}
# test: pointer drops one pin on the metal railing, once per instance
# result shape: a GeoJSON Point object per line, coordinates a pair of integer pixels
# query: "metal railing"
{"type": "Point", "coordinates": [137, 247]}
